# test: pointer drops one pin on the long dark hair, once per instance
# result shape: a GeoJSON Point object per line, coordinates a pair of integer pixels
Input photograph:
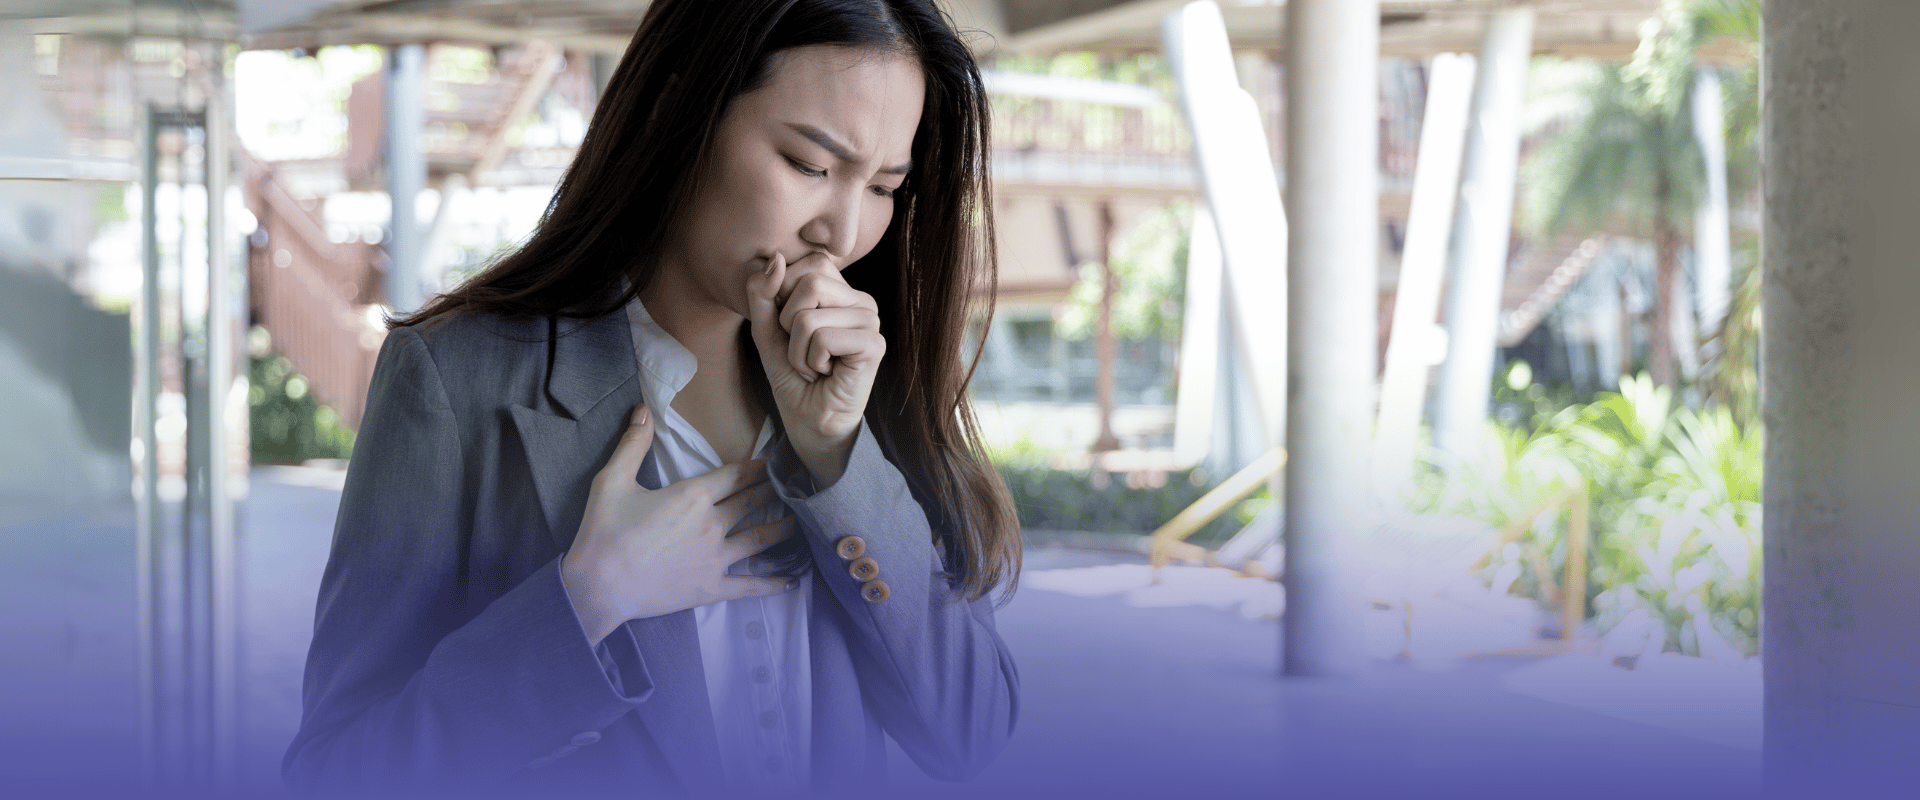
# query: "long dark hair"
{"type": "Point", "coordinates": [639, 167]}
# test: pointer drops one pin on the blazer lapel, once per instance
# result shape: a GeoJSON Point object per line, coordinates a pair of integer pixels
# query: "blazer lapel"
{"type": "Point", "coordinates": [593, 383]}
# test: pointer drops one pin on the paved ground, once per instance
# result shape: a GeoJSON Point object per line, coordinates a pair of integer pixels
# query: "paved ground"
{"type": "Point", "coordinates": [1127, 690]}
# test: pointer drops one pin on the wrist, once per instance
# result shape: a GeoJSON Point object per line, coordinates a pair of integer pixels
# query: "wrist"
{"type": "Point", "coordinates": [825, 457]}
{"type": "Point", "coordinates": [596, 620]}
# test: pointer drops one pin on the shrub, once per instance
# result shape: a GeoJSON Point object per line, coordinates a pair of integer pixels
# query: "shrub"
{"type": "Point", "coordinates": [287, 425]}
{"type": "Point", "coordinates": [1111, 502]}
{"type": "Point", "coordinates": [1675, 515]}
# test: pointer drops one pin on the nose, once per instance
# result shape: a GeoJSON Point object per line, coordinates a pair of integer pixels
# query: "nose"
{"type": "Point", "coordinates": [835, 226]}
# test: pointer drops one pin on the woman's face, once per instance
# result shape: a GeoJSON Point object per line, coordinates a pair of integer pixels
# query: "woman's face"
{"type": "Point", "coordinates": [806, 164]}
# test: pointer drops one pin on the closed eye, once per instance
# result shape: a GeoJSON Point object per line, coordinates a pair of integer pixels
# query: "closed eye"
{"type": "Point", "coordinates": [810, 172]}
{"type": "Point", "coordinates": [883, 192]}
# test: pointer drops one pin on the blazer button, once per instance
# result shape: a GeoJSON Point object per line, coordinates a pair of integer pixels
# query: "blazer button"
{"type": "Point", "coordinates": [874, 590]}
{"type": "Point", "coordinates": [587, 738]}
{"type": "Point", "coordinates": [863, 569]}
{"type": "Point", "coordinates": [851, 547]}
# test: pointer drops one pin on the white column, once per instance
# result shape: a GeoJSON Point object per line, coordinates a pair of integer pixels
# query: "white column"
{"type": "Point", "coordinates": [1841, 256]}
{"type": "Point", "coordinates": [1333, 54]}
{"type": "Point", "coordinates": [1417, 343]}
{"type": "Point", "coordinates": [226, 468]}
{"type": "Point", "coordinates": [1243, 194]}
{"type": "Point", "coordinates": [1482, 230]}
{"type": "Point", "coordinates": [1200, 340]}
{"type": "Point", "coordinates": [1712, 248]}
{"type": "Point", "coordinates": [406, 173]}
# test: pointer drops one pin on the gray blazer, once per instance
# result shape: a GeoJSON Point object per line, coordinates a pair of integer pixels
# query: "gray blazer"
{"type": "Point", "coordinates": [446, 655]}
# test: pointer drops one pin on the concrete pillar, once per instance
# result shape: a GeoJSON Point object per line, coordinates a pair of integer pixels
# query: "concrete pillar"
{"type": "Point", "coordinates": [1242, 193]}
{"type": "Point", "coordinates": [225, 426]}
{"type": "Point", "coordinates": [1104, 348]}
{"type": "Point", "coordinates": [406, 173]}
{"type": "Point", "coordinates": [1482, 230]}
{"type": "Point", "coordinates": [1195, 418]}
{"type": "Point", "coordinates": [1841, 255]}
{"type": "Point", "coordinates": [1333, 55]}
{"type": "Point", "coordinates": [1416, 339]}
{"type": "Point", "coordinates": [1712, 245]}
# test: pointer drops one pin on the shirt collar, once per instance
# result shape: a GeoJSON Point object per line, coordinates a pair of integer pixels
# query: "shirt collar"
{"type": "Point", "coordinates": [666, 365]}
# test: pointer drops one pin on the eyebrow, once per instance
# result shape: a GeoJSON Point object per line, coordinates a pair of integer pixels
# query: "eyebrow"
{"type": "Point", "coordinates": [841, 151]}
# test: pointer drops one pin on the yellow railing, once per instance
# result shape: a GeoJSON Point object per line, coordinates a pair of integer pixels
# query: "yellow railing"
{"type": "Point", "coordinates": [1571, 594]}
{"type": "Point", "coordinates": [1169, 541]}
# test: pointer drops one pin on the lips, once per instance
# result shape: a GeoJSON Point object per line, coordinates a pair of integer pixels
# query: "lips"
{"type": "Point", "coordinates": [793, 260]}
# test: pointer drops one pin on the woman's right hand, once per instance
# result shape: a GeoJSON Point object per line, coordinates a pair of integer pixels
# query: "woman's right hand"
{"type": "Point", "coordinates": [645, 552]}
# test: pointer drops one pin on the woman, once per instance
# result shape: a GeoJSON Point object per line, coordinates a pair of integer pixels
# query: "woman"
{"type": "Point", "coordinates": [643, 506]}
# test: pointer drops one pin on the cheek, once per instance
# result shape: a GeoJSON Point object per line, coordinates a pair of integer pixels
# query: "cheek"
{"type": "Point", "coordinates": [748, 203]}
{"type": "Point", "coordinates": [874, 219]}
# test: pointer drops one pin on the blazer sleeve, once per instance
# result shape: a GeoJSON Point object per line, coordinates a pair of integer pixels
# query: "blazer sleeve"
{"type": "Point", "coordinates": [406, 685]}
{"type": "Point", "coordinates": [936, 671]}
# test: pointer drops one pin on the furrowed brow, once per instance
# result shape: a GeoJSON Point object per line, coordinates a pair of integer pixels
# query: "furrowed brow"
{"type": "Point", "coordinates": [841, 151]}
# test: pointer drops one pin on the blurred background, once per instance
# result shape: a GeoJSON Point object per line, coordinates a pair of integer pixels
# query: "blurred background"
{"type": "Point", "coordinates": [1545, 443]}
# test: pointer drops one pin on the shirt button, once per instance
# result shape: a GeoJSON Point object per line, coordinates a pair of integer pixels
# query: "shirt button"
{"type": "Point", "coordinates": [755, 629]}
{"type": "Point", "coordinates": [586, 738]}
{"type": "Point", "coordinates": [762, 674]}
{"type": "Point", "coordinates": [769, 719]}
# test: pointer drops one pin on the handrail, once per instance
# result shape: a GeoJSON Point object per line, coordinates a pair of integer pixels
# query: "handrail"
{"type": "Point", "coordinates": [1572, 590]}
{"type": "Point", "coordinates": [1171, 537]}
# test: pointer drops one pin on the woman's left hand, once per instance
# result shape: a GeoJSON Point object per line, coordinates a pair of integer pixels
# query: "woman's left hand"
{"type": "Point", "coordinates": [819, 341]}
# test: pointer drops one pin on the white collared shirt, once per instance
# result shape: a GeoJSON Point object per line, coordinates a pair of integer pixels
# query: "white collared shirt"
{"type": "Point", "coordinates": [754, 650]}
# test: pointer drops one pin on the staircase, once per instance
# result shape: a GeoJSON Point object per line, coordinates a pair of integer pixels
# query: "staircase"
{"type": "Point", "coordinates": [319, 299]}
{"type": "Point", "coordinates": [467, 124]}
{"type": "Point", "coordinates": [313, 295]}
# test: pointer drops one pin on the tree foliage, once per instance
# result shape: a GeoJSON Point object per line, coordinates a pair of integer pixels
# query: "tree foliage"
{"type": "Point", "coordinates": [1618, 147]}
{"type": "Point", "coordinates": [1606, 150]}
{"type": "Point", "coordinates": [1150, 264]}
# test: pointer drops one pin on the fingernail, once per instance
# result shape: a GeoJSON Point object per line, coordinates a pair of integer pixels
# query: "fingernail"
{"type": "Point", "coordinates": [770, 266]}
{"type": "Point", "coordinates": [642, 416]}
{"type": "Point", "coordinates": [793, 584]}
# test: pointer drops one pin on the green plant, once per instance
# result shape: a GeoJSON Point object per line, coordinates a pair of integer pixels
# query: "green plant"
{"type": "Point", "coordinates": [1089, 499]}
{"type": "Point", "coordinates": [1622, 150]}
{"type": "Point", "coordinates": [1675, 513]}
{"type": "Point", "coordinates": [1150, 271]}
{"type": "Point", "coordinates": [1691, 522]}
{"type": "Point", "coordinates": [1730, 351]}
{"type": "Point", "coordinates": [286, 424]}
{"type": "Point", "coordinates": [1620, 147]}
{"type": "Point", "coordinates": [1521, 402]}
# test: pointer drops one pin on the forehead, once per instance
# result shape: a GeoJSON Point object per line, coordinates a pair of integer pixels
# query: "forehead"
{"type": "Point", "coordinates": [869, 99]}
